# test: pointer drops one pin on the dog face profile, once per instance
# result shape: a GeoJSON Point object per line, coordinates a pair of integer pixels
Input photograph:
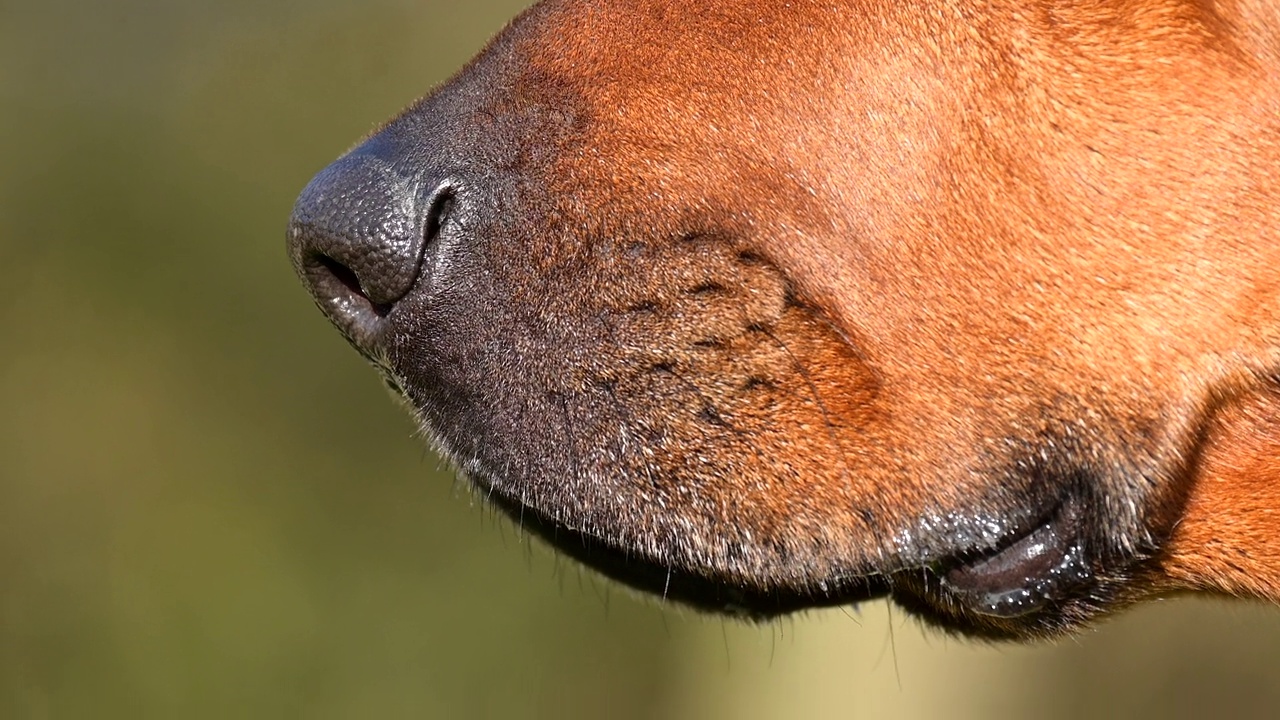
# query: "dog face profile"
{"type": "Point", "coordinates": [762, 306]}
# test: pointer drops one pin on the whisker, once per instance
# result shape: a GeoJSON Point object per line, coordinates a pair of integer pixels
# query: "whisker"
{"type": "Point", "coordinates": [562, 403]}
{"type": "Point", "coordinates": [803, 372]}
{"type": "Point", "coordinates": [846, 474]}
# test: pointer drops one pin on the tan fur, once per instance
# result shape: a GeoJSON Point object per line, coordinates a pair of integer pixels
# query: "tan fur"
{"type": "Point", "coordinates": [844, 288]}
{"type": "Point", "coordinates": [1127, 237]}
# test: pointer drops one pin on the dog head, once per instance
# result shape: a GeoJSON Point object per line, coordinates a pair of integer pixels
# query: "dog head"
{"type": "Point", "coordinates": [768, 306]}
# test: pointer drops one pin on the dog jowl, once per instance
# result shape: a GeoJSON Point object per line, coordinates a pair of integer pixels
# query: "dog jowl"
{"type": "Point", "coordinates": [768, 306]}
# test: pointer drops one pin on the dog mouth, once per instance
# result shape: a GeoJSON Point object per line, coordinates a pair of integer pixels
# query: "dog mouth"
{"type": "Point", "coordinates": [1032, 582]}
{"type": "Point", "coordinates": [1000, 584]}
{"type": "Point", "coordinates": [1022, 584]}
{"type": "Point", "coordinates": [1026, 572]}
{"type": "Point", "coordinates": [701, 589]}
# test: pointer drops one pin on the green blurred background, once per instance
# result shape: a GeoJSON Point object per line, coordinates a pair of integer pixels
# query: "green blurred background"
{"type": "Point", "coordinates": [210, 508]}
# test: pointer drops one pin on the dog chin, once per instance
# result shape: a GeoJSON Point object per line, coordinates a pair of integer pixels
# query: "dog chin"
{"type": "Point", "coordinates": [1039, 579]}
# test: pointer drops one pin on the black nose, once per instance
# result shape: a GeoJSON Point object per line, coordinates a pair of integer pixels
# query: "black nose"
{"type": "Point", "coordinates": [358, 236]}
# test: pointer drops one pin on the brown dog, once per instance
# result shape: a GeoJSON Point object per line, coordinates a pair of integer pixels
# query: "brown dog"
{"type": "Point", "coordinates": [762, 306]}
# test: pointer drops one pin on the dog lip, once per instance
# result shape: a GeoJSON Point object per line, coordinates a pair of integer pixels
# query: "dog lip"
{"type": "Point", "coordinates": [704, 590]}
{"type": "Point", "coordinates": [1025, 573]}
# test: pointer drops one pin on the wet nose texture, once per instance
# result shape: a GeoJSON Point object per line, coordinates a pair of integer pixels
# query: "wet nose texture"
{"type": "Point", "coordinates": [357, 238]}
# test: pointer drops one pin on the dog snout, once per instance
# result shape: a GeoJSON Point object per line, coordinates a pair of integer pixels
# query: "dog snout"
{"type": "Point", "coordinates": [359, 237]}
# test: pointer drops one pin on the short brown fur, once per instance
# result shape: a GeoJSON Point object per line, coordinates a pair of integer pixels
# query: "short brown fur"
{"type": "Point", "coordinates": [826, 293]}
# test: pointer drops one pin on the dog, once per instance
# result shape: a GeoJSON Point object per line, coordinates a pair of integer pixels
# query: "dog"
{"type": "Point", "coordinates": [768, 306]}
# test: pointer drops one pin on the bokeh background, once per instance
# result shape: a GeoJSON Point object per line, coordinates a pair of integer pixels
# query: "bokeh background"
{"type": "Point", "coordinates": [209, 507]}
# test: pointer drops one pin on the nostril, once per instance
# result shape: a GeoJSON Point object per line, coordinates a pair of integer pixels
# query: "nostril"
{"type": "Point", "coordinates": [342, 278]}
{"type": "Point", "coordinates": [441, 208]}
